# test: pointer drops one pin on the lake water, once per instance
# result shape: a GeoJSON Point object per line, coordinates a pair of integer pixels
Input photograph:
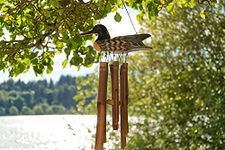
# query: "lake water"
{"type": "Point", "coordinates": [47, 132]}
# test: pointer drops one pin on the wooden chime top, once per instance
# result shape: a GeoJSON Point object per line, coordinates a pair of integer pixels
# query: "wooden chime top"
{"type": "Point", "coordinates": [118, 44]}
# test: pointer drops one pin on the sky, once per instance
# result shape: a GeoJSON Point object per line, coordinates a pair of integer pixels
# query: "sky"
{"type": "Point", "coordinates": [115, 29]}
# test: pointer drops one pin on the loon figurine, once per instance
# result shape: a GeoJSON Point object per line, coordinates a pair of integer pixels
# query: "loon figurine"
{"type": "Point", "coordinates": [120, 44]}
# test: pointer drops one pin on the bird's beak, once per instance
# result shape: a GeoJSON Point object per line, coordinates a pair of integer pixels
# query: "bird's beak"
{"type": "Point", "coordinates": [87, 33]}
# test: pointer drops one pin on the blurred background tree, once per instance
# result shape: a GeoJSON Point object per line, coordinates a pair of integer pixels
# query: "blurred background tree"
{"type": "Point", "coordinates": [180, 86]}
{"type": "Point", "coordinates": [86, 97]}
{"type": "Point", "coordinates": [38, 97]}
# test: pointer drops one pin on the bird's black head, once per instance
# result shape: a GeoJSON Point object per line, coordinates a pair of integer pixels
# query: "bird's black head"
{"type": "Point", "coordinates": [100, 30]}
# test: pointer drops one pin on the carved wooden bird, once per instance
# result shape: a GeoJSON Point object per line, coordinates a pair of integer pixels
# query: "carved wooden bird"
{"type": "Point", "coordinates": [118, 44]}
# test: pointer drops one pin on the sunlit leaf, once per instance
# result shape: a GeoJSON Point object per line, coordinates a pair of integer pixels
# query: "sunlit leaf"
{"type": "Point", "coordinates": [117, 17]}
{"type": "Point", "coordinates": [27, 61]}
{"type": "Point", "coordinates": [2, 65]}
{"type": "Point", "coordinates": [202, 14]}
{"type": "Point", "coordinates": [49, 69]}
{"type": "Point", "coordinates": [19, 69]}
{"type": "Point", "coordinates": [64, 63]}
{"type": "Point", "coordinates": [76, 60]}
{"type": "Point", "coordinates": [170, 7]}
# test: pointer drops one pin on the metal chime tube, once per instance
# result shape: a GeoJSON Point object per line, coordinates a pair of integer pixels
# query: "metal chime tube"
{"type": "Point", "coordinates": [101, 106]}
{"type": "Point", "coordinates": [124, 103]}
{"type": "Point", "coordinates": [114, 69]}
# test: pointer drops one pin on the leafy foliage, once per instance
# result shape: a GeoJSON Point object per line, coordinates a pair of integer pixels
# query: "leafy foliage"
{"type": "Point", "coordinates": [181, 83]}
{"type": "Point", "coordinates": [37, 30]}
{"type": "Point", "coordinates": [40, 29]}
{"type": "Point", "coordinates": [87, 94]}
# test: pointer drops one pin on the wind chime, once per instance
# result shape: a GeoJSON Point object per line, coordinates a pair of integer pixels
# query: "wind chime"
{"type": "Point", "coordinates": [119, 99]}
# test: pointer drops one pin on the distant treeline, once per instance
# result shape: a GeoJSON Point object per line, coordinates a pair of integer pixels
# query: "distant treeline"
{"type": "Point", "coordinates": [38, 97]}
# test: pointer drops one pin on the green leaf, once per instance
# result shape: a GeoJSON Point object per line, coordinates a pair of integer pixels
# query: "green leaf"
{"type": "Point", "coordinates": [49, 69]}
{"type": "Point", "coordinates": [89, 59]}
{"type": "Point", "coordinates": [67, 51]}
{"type": "Point", "coordinates": [2, 65]}
{"type": "Point", "coordinates": [47, 13]}
{"type": "Point", "coordinates": [64, 63]}
{"type": "Point", "coordinates": [39, 68]}
{"type": "Point", "coordinates": [34, 61]}
{"type": "Point", "coordinates": [4, 9]}
{"type": "Point", "coordinates": [76, 60]}
{"type": "Point", "coordinates": [139, 17]}
{"type": "Point", "coordinates": [54, 2]}
{"type": "Point", "coordinates": [170, 7]}
{"type": "Point", "coordinates": [117, 17]}
{"type": "Point", "coordinates": [202, 14]}
{"type": "Point", "coordinates": [47, 61]}
{"type": "Point", "coordinates": [59, 44]}
{"type": "Point", "coordinates": [191, 3]}
{"type": "Point", "coordinates": [27, 61]}
{"type": "Point", "coordinates": [19, 69]}
{"type": "Point", "coordinates": [33, 55]}
{"type": "Point", "coordinates": [1, 33]}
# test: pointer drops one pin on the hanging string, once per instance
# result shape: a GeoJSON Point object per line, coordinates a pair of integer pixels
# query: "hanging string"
{"type": "Point", "coordinates": [129, 16]}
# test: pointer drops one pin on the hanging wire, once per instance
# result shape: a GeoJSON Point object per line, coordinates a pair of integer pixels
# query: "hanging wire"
{"type": "Point", "coordinates": [129, 16]}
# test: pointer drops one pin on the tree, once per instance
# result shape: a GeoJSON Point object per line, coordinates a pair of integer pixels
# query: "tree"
{"type": "Point", "coordinates": [181, 93]}
{"type": "Point", "coordinates": [13, 110]}
{"type": "Point", "coordinates": [65, 95]}
{"type": "Point", "coordinates": [26, 111]}
{"type": "Point", "coordinates": [28, 97]}
{"type": "Point", "coordinates": [40, 29]}
{"type": "Point", "coordinates": [58, 109]}
{"type": "Point", "coordinates": [40, 93]}
{"type": "Point", "coordinates": [86, 94]}
{"type": "Point", "coordinates": [38, 110]}
{"type": "Point", "coordinates": [2, 111]}
{"type": "Point", "coordinates": [4, 99]}
{"type": "Point", "coordinates": [19, 103]}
